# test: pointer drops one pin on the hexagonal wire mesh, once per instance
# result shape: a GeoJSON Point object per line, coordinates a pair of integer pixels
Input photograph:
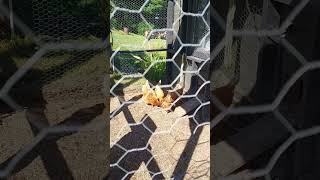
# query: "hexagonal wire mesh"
{"type": "Point", "coordinates": [244, 32]}
{"type": "Point", "coordinates": [54, 49]}
{"type": "Point", "coordinates": [155, 41]}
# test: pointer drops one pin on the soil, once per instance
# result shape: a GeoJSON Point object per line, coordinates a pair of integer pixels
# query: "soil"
{"type": "Point", "coordinates": [174, 151]}
{"type": "Point", "coordinates": [74, 99]}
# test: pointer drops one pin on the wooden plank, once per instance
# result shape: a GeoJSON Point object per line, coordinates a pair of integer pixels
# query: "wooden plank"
{"type": "Point", "coordinates": [251, 141]}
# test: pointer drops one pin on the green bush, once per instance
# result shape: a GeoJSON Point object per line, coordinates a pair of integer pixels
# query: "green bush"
{"type": "Point", "coordinates": [143, 26]}
{"type": "Point", "coordinates": [136, 28]}
{"type": "Point", "coordinates": [157, 71]}
{"type": "Point", "coordinates": [115, 24]}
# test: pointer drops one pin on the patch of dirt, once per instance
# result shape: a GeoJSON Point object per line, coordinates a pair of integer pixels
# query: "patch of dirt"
{"type": "Point", "coordinates": [162, 145]}
{"type": "Point", "coordinates": [74, 99]}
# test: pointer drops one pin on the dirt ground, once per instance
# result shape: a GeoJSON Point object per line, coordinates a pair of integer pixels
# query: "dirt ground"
{"type": "Point", "coordinates": [161, 145]}
{"type": "Point", "coordinates": [75, 99]}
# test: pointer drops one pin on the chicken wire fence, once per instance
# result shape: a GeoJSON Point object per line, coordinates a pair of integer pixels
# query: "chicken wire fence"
{"type": "Point", "coordinates": [239, 35]}
{"type": "Point", "coordinates": [52, 53]}
{"type": "Point", "coordinates": [152, 42]}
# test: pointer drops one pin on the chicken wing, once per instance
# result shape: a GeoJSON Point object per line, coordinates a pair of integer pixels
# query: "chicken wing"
{"type": "Point", "coordinates": [158, 97]}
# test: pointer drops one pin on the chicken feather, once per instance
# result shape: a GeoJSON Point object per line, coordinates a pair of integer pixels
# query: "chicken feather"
{"type": "Point", "coordinates": [159, 92]}
{"type": "Point", "coordinates": [145, 88]}
{"type": "Point", "coordinates": [158, 97]}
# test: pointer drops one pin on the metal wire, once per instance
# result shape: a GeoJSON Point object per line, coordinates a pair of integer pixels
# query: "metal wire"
{"type": "Point", "coordinates": [306, 66]}
{"type": "Point", "coordinates": [157, 26]}
{"type": "Point", "coordinates": [51, 42]}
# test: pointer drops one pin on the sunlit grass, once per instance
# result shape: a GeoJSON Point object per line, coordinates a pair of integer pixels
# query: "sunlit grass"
{"type": "Point", "coordinates": [143, 60]}
{"type": "Point", "coordinates": [134, 42]}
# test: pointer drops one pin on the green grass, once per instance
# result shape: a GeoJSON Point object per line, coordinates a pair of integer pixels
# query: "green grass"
{"type": "Point", "coordinates": [137, 41]}
{"type": "Point", "coordinates": [96, 64]}
{"type": "Point", "coordinates": [44, 63]}
{"type": "Point", "coordinates": [49, 68]}
{"type": "Point", "coordinates": [142, 60]}
{"type": "Point", "coordinates": [20, 50]}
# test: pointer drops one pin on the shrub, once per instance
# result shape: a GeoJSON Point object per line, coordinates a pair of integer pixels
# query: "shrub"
{"type": "Point", "coordinates": [115, 24]}
{"type": "Point", "coordinates": [157, 71]}
{"type": "Point", "coordinates": [143, 26]}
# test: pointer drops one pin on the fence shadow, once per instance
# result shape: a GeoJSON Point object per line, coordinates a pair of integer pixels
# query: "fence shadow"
{"type": "Point", "coordinates": [7, 69]}
{"type": "Point", "coordinates": [27, 92]}
{"type": "Point", "coordinates": [140, 136]}
{"type": "Point", "coordinates": [132, 161]}
{"type": "Point", "coordinates": [183, 163]}
{"type": "Point", "coordinates": [77, 59]}
{"type": "Point", "coordinates": [52, 158]}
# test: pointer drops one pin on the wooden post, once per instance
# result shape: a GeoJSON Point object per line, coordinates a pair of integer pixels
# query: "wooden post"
{"type": "Point", "coordinates": [170, 20]}
{"type": "Point", "coordinates": [105, 12]}
{"type": "Point", "coordinates": [11, 19]}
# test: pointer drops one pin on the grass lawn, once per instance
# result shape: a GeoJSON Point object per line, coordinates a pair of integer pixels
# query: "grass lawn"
{"type": "Point", "coordinates": [135, 59]}
{"type": "Point", "coordinates": [134, 41]}
{"type": "Point", "coordinates": [14, 54]}
{"type": "Point", "coordinates": [52, 61]}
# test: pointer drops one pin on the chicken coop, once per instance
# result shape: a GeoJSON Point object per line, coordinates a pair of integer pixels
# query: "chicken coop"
{"type": "Point", "coordinates": [166, 45]}
{"type": "Point", "coordinates": [192, 30]}
{"type": "Point", "coordinates": [264, 89]}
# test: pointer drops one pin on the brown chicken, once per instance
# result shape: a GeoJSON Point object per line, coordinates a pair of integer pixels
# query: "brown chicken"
{"type": "Point", "coordinates": [157, 96]}
{"type": "Point", "coordinates": [149, 95]}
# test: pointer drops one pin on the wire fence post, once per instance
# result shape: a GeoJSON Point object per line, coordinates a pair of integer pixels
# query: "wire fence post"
{"type": "Point", "coordinates": [11, 19]}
